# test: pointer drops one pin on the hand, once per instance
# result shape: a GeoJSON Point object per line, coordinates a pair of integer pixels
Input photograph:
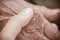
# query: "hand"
{"type": "Point", "coordinates": [50, 14]}
{"type": "Point", "coordinates": [35, 34]}
{"type": "Point", "coordinates": [39, 29]}
{"type": "Point", "coordinates": [15, 24]}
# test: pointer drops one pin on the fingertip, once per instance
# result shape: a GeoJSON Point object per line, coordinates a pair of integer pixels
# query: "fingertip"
{"type": "Point", "coordinates": [27, 11]}
{"type": "Point", "coordinates": [55, 11]}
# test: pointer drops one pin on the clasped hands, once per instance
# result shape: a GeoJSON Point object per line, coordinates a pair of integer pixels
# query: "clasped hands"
{"type": "Point", "coordinates": [14, 26]}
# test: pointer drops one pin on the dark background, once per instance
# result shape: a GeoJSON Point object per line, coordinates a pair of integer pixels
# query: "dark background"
{"type": "Point", "coordinates": [47, 3]}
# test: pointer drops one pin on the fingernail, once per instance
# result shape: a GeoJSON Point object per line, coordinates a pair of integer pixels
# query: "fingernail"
{"type": "Point", "coordinates": [26, 11]}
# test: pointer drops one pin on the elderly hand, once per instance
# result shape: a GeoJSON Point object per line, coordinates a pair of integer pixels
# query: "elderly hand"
{"type": "Point", "coordinates": [50, 14]}
{"type": "Point", "coordinates": [15, 24]}
{"type": "Point", "coordinates": [39, 28]}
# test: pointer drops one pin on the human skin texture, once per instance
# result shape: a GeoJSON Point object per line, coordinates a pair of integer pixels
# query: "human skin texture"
{"type": "Point", "coordinates": [15, 24]}
{"type": "Point", "coordinates": [50, 14]}
{"type": "Point", "coordinates": [39, 27]}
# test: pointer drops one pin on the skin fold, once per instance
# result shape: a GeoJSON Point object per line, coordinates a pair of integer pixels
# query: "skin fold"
{"type": "Point", "coordinates": [12, 28]}
{"type": "Point", "coordinates": [48, 13]}
{"type": "Point", "coordinates": [38, 28]}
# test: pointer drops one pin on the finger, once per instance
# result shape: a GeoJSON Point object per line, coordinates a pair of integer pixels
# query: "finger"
{"type": "Point", "coordinates": [50, 14]}
{"type": "Point", "coordinates": [53, 15]}
{"type": "Point", "coordinates": [37, 36]}
{"type": "Point", "coordinates": [51, 31]}
{"type": "Point", "coordinates": [14, 25]}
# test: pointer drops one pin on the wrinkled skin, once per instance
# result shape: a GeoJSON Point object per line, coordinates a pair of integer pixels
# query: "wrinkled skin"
{"type": "Point", "coordinates": [39, 28]}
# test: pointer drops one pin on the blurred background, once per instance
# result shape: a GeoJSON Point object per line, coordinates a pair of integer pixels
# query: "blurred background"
{"type": "Point", "coordinates": [47, 3]}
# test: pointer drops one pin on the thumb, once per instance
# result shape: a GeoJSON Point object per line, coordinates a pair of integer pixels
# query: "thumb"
{"type": "Point", "coordinates": [14, 25]}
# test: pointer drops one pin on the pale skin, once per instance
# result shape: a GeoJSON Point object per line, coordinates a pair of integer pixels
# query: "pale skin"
{"type": "Point", "coordinates": [50, 14]}
{"type": "Point", "coordinates": [17, 22]}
